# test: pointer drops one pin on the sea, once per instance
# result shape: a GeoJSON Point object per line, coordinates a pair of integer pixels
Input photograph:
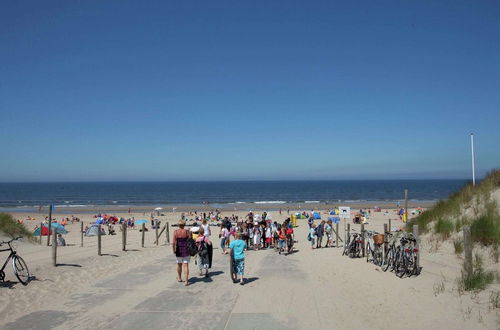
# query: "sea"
{"type": "Point", "coordinates": [29, 196]}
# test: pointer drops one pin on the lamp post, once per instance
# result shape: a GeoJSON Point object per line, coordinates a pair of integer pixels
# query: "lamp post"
{"type": "Point", "coordinates": [473, 161]}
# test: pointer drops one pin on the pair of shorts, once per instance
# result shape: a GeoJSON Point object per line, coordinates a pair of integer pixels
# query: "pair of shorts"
{"type": "Point", "coordinates": [269, 240]}
{"type": "Point", "coordinates": [183, 260]}
{"type": "Point", "coordinates": [239, 266]}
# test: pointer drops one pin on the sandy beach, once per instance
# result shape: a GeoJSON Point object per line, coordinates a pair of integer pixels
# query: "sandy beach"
{"type": "Point", "coordinates": [309, 289]}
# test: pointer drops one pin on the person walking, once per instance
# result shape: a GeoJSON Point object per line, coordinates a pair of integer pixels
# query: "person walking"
{"type": "Point", "coordinates": [206, 229]}
{"type": "Point", "coordinates": [320, 231]}
{"type": "Point", "coordinates": [224, 236]}
{"type": "Point", "coordinates": [203, 258]}
{"type": "Point", "coordinates": [237, 247]}
{"type": "Point", "coordinates": [180, 249]}
{"type": "Point", "coordinates": [329, 233]}
{"type": "Point", "coordinates": [312, 233]}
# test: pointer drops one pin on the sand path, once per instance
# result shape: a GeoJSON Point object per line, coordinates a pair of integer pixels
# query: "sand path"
{"type": "Point", "coordinates": [309, 289]}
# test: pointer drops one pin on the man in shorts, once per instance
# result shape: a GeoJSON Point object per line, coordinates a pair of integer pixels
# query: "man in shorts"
{"type": "Point", "coordinates": [237, 247]}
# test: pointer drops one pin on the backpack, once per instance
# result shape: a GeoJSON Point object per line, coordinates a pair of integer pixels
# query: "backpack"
{"type": "Point", "coordinates": [203, 249]}
{"type": "Point", "coordinates": [192, 248]}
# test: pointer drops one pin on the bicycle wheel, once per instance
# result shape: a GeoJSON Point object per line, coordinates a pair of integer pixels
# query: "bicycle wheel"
{"type": "Point", "coordinates": [368, 251]}
{"type": "Point", "coordinates": [401, 265]}
{"type": "Point", "coordinates": [388, 260]}
{"type": "Point", "coordinates": [20, 269]}
{"type": "Point", "coordinates": [410, 263]}
{"type": "Point", "coordinates": [377, 256]}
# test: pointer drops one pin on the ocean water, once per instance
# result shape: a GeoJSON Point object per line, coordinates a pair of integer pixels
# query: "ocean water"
{"type": "Point", "coordinates": [26, 195]}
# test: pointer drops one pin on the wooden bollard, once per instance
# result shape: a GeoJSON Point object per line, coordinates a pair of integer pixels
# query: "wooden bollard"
{"type": "Point", "coordinates": [386, 239]}
{"type": "Point", "coordinates": [54, 247]}
{"type": "Point", "coordinates": [156, 232]}
{"type": "Point", "coordinates": [143, 233]}
{"type": "Point", "coordinates": [415, 235]}
{"type": "Point", "coordinates": [81, 234]}
{"type": "Point", "coordinates": [99, 240]}
{"type": "Point", "coordinates": [168, 233]}
{"type": "Point", "coordinates": [348, 233]}
{"type": "Point", "coordinates": [124, 236]}
{"type": "Point", "coordinates": [390, 225]}
{"type": "Point", "coordinates": [337, 235]}
{"type": "Point", "coordinates": [362, 240]}
{"type": "Point", "coordinates": [467, 251]}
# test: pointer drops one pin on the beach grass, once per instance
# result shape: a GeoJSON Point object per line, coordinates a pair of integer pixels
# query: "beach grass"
{"type": "Point", "coordinates": [479, 279]}
{"type": "Point", "coordinates": [10, 227]}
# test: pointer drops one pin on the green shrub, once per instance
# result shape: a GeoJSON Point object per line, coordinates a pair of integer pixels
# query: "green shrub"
{"type": "Point", "coordinates": [11, 227]}
{"type": "Point", "coordinates": [458, 244]}
{"type": "Point", "coordinates": [486, 229]}
{"type": "Point", "coordinates": [479, 278]}
{"type": "Point", "coordinates": [443, 227]}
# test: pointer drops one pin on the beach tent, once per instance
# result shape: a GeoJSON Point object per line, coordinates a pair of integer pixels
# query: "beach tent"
{"type": "Point", "coordinates": [99, 221]}
{"type": "Point", "coordinates": [92, 230]}
{"type": "Point", "coordinates": [316, 215]}
{"type": "Point", "coordinates": [45, 229]}
{"type": "Point", "coordinates": [334, 212]}
{"type": "Point", "coordinates": [334, 219]}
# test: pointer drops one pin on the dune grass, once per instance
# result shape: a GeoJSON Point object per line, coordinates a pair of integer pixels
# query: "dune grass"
{"type": "Point", "coordinates": [479, 278]}
{"type": "Point", "coordinates": [10, 227]}
{"type": "Point", "coordinates": [449, 210]}
{"type": "Point", "coordinates": [486, 229]}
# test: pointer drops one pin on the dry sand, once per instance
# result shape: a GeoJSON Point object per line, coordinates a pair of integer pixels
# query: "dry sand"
{"type": "Point", "coordinates": [310, 289]}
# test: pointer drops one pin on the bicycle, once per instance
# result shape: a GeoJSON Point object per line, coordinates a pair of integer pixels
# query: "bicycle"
{"type": "Point", "coordinates": [377, 256]}
{"type": "Point", "coordinates": [352, 248]}
{"type": "Point", "coordinates": [18, 264]}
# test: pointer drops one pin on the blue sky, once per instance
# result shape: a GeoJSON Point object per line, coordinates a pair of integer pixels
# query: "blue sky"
{"type": "Point", "coordinates": [225, 90]}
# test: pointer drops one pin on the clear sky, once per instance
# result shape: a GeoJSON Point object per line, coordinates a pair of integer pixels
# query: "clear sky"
{"type": "Point", "coordinates": [211, 90]}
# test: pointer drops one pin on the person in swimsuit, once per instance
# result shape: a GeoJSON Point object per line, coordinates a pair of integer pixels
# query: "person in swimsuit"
{"type": "Point", "coordinates": [180, 248]}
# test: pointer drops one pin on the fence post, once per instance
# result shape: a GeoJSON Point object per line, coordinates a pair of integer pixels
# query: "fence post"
{"type": "Point", "coordinates": [54, 247]}
{"type": "Point", "coordinates": [415, 234]}
{"type": "Point", "coordinates": [168, 233]}
{"type": "Point", "coordinates": [386, 239]}
{"type": "Point", "coordinates": [81, 234]}
{"type": "Point", "coordinates": [156, 231]}
{"type": "Point", "coordinates": [348, 233]}
{"type": "Point", "coordinates": [363, 240]}
{"type": "Point", "coordinates": [143, 233]}
{"type": "Point", "coordinates": [99, 240]}
{"type": "Point", "coordinates": [406, 205]}
{"type": "Point", "coordinates": [337, 235]}
{"type": "Point", "coordinates": [467, 251]}
{"type": "Point", "coordinates": [50, 224]}
{"type": "Point", "coordinates": [390, 225]}
{"type": "Point", "coordinates": [124, 236]}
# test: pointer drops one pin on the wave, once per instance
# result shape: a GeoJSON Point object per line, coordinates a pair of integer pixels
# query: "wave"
{"type": "Point", "coordinates": [270, 202]}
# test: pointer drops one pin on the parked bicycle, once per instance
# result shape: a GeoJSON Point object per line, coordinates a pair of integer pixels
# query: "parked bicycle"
{"type": "Point", "coordinates": [18, 264]}
{"type": "Point", "coordinates": [353, 245]}
{"type": "Point", "coordinates": [402, 258]}
{"type": "Point", "coordinates": [373, 250]}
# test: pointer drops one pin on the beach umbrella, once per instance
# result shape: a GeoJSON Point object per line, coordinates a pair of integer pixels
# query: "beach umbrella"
{"type": "Point", "coordinates": [140, 222]}
{"type": "Point", "coordinates": [99, 221]}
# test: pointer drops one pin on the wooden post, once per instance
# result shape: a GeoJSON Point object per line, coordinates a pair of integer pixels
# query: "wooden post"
{"type": "Point", "coordinates": [158, 236]}
{"type": "Point", "coordinates": [143, 233]}
{"type": "Point", "coordinates": [390, 225]}
{"type": "Point", "coordinates": [124, 236]}
{"type": "Point", "coordinates": [54, 247]}
{"type": "Point", "coordinates": [168, 233]}
{"type": "Point", "coordinates": [81, 234]}
{"type": "Point", "coordinates": [99, 240]}
{"type": "Point", "coordinates": [386, 239]}
{"type": "Point", "coordinates": [467, 251]}
{"type": "Point", "coordinates": [348, 233]}
{"type": "Point", "coordinates": [406, 205]}
{"type": "Point", "coordinates": [362, 240]}
{"type": "Point", "coordinates": [337, 235]}
{"type": "Point", "coordinates": [415, 234]}
{"type": "Point", "coordinates": [50, 224]}
{"type": "Point", "coordinates": [156, 232]}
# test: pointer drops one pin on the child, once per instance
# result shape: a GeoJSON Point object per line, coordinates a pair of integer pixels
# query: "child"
{"type": "Point", "coordinates": [312, 233]}
{"type": "Point", "coordinates": [237, 247]}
